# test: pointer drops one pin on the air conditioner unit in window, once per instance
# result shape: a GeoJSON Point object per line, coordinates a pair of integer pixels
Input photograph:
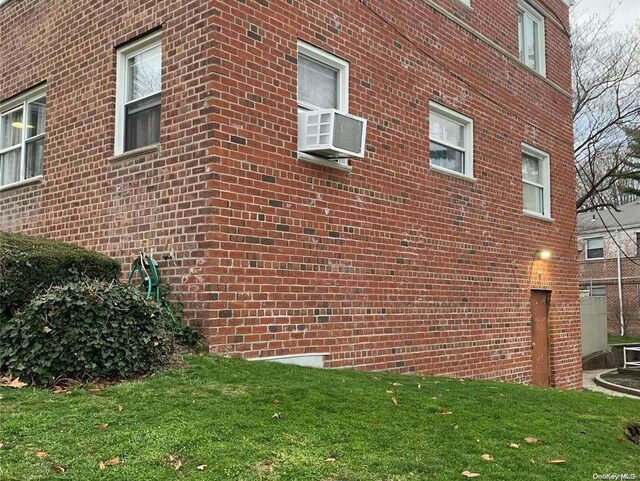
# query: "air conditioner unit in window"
{"type": "Point", "coordinates": [330, 133]}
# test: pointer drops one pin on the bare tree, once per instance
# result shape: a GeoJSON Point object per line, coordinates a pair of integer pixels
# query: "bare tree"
{"type": "Point", "coordinates": [606, 111]}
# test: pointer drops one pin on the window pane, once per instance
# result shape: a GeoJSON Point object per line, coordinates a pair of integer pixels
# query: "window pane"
{"type": "Point", "coordinates": [35, 124]}
{"type": "Point", "coordinates": [10, 167]}
{"type": "Point", "coordinates": [446, 157]}
{"type": "Point", "coordinates": [144, 74]}
{"type": "Point", "coordinates": [597, 243]}
{"type": "Point", "coordinates": [317, 83]}
{"type": "Point", "coordinates": [142, 123]}
{"type": "Point", "coordinates": [533, 199]}
{"type": "Point", "coordinates": [598, 291]}
{"type": "Point", "coordinates": [35, 154]}
{"type": "Point", "coordinates": [638, 243]}
{"type": "Point", "coordinates": [521, 35]}
{"type": "Point", "coordinates": [12, 126]}
{"type": "Point", "coordinates": [531, 169]}
{"type": "Point", "coordinates": [530, 42]}
{"type": "Point", "coordinates": [441, 128]}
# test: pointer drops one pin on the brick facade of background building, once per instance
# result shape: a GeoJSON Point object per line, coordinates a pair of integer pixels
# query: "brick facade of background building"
{"type": "Point", "coordinates": [599, 274]}
{"type": "Point", "coordinates": [390, 264]}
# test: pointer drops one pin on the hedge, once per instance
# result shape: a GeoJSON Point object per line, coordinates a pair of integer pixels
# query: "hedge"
{"type": "Point", "coordinates": [29, 265]}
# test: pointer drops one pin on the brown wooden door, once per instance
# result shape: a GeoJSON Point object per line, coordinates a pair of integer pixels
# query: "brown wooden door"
{"type": "Point", "coordinates": [540, 337]}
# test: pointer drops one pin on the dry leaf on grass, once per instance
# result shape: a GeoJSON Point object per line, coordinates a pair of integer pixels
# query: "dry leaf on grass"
{"type": "Point", "coordinates": [101, 466]}
{"type": "Point", "coordinates": [389, 391]}
{"type": "Point", "coordinates": [469, 474]}
{"type": "Point", "coordinates": [455, 426]}
{"type": "Point", "coordinates": [532, 440]}
{"type": "Point", "coordinates": [277, 416]}
{"type": "Point", "coordinates": [273, 401]}
{"type": "Point", "coordinates": [120, 408]}
{"type": "Point", "coordinates": [175, 462]}
{"type": "Point", "coordinates": [514, 446]}
{"type": "Point", "coordinates": [41, 454]}
{"type": "Point", "coordinates": [113, 461]}
{"type": "Point", "coordinates": [102, 426]}
{"type": "Point", "coordinates": [330, 460]}
{"type": "Point", "coordinates": [557, 461]}
{"type": "Point", "coordinates": [419, 386]}
{"type": "Point", "coordinates": [59, 389]}
{"type": "Point", "coordinates": [394, 400]}
{"type": "Point", "coordinates": [487, 457]}
{"type": "Point", "coordinates": [202, 467]}
{"type": "Point", "coordinates": [58, 468]}
{"type": "Point", "coordinates": [444, 412]}
{"type": "Point", "coordinates": [15, 383]}
{"type": "Point", "coordinates": [396, 384]}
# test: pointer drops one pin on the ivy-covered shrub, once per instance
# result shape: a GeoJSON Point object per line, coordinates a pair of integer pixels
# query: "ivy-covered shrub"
{"type": "Point", "coordinates": [84, 330]}
{"type": "Point", "coordinates": [29, 265]}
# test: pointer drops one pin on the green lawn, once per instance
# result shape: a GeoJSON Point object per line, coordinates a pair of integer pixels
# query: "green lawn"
{"type": "Point", "coordinates": [622, 339]}
{"type": "Point", "coordinates": [328, 426]}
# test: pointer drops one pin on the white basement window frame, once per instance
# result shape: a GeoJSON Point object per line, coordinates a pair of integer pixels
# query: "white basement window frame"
{"type": "Point", "coordinates": [451, 132]}
{"type": "Point", "coordinates": [326, 63]}
{"type": "Point", "coordinates": [531, 42]}
{"type": "Point", "coordinates": [129, 103]}
{"type": "Point", "coordinates": [22, 137]}
{"type": "Point", "coordinates": [536, 182]}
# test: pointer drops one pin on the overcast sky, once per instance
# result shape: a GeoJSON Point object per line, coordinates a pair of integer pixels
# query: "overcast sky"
{"type": "Point", "coordinates": [626, 14]}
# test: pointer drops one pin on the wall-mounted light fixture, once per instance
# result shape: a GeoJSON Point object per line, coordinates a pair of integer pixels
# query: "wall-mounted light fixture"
{"type": "Point", "coordinates": [543, 254]}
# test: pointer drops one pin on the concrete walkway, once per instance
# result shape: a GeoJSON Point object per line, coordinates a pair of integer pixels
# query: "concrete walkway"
{"type": "Point", "coordinates": [590, 385]}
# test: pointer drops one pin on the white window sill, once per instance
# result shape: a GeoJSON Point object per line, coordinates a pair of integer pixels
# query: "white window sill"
{"type": "Point", "coordinates": [334, 164]}
{"type": "Point", "coordinates": [31, 180]}
{"type": "Point", "coordinates": [535, 215]}
{"type": "Point", "coordinates": [135, 153]}
{"type": "Point", "coordinates": [595, 259]}
{"type": "Point", "coordinates": [452, 173]}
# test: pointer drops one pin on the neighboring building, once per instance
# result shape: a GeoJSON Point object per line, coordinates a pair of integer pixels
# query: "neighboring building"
{"type": "Point", "coordinates": [603, 236]}
{"type": "Point", "coordinates": [172, 127]}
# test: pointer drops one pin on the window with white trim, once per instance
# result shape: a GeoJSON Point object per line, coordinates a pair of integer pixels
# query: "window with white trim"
{"type": "Point", "coordinates": [22, 124]}
{"type": "Point", "coordinates": [531, 37]}
{"type": "Point", "coordinates": [323, 80]}
{"type": "Point", "coordinates": [594, 248]}
{"type": "Point", "coordinates": [138, 94]}
{"type": "Point", "coordinates": [450, 140]}
{"type": "Point", "coordinates": [536, 185]}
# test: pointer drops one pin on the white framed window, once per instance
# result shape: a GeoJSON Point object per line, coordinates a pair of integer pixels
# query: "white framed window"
{"type": "Point", "coordinates": [536, 182]}
{"type": "Point", "coordinates": [450, 141]}
{"type": "Point", "coordinates": [323, 80]}
{"type": "Point", "coordinates": [531, 37]}
{"type": "Point", "coordinates": [138, 94]}
{"type": "Point", "coordinates": [22, 131]}
{"type": "Point", "coordinates": [594, 248]}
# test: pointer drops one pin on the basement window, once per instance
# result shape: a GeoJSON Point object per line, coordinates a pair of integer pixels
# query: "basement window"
{"type": "Point", "coordinates": [22, 126]}
{"type": "Point", "coordinates": [138, 94]}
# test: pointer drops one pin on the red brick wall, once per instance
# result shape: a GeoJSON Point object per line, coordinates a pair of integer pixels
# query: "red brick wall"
{"type": "Point", "coordinates": [278, 256]}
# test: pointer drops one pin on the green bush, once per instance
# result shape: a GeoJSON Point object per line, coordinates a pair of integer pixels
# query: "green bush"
{"type": "Point", "coordinates": [84, 330]}
{"type": "Point", "coordinates": [29, 265]}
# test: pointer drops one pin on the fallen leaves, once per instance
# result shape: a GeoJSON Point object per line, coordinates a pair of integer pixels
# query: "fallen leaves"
{"type": "Point", "coordinates": [202, 467]}
{"type": "Point", "coordinates": [514, 446]}
{"type": "Point", "coordinates": [15, 383]}
{"type": "Point", "coordinates": [532, 440]}
{"type": "Point", "coordinates": [58, 468]}
{"type": "Point", "coordinates": [175, 462]}
{"type": "Point", "coordinates": [102, 465]}
{"type": "Point", "coordinates": [277, 416]}
{"type": "Point", "coordinates": [120, 408]}
{"type": "Point", "coordinates": [469, 474]}
{"type": "Point", "coordinates": [557, 461]}
{"type": "Point", "coordinates": [394, 400]}
{"type": "Point", "coordinates": [41, 454]}
{"type": "Point", "coordinates": [487, 457]}
{"type": "Point", "coordinates": [102, 426]}
{"type": "Point", "coordinates": [330, 459]}
{"type": "Point", "coordinates": [442, 411]}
